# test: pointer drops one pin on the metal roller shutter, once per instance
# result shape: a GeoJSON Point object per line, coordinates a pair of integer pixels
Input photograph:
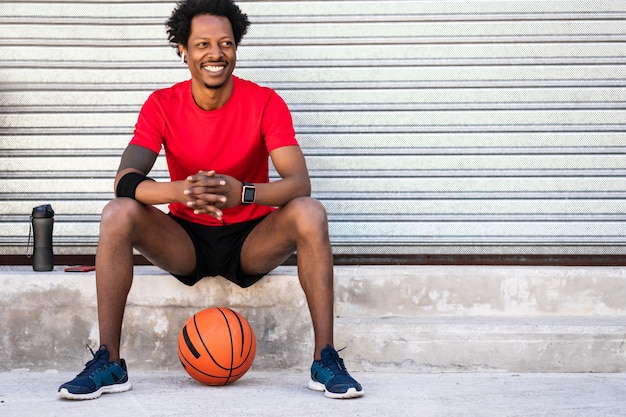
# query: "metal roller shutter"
{"type": "Point", "coordinates": [430, 127]}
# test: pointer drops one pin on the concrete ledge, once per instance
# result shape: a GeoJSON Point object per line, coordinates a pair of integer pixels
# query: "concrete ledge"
{"type": "Point", "coordinates": [50, 317]}
{"type": "Point", "coordinates": [488, 344]}
{"type": "Point", "coordinates": [409, 318]}
{"type": "Point", "coordinates": [513, 291]}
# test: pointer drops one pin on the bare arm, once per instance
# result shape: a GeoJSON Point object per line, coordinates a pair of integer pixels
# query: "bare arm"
{"type": "Point", "coordinates": [295, 182]}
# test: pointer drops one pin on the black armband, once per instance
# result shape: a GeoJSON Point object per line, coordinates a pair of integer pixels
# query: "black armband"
{"type": "Point", "coordinates": [128, 184]}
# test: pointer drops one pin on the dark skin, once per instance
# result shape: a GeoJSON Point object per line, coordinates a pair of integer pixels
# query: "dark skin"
{"type": "Point", "coordinates": [299, 224]}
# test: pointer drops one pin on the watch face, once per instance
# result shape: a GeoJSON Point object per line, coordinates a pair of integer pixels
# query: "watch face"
{"type": "Point", "coordinates": [248, 194]}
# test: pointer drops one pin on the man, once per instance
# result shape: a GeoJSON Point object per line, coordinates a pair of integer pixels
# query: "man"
{"type": "Point", "coordinates": [225, 218]}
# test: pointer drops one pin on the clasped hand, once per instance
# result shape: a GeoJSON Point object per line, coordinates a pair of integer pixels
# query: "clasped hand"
{"type": "Point", "coordinates": [208, 192]}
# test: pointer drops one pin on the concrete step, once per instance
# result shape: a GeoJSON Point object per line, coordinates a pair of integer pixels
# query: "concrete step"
{"type": "Point", "coordinates": [419, 319]}
{"type": "Point", "coordinates": [486, 344]}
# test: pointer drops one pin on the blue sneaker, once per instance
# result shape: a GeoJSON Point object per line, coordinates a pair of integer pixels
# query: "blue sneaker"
{"type": "Point", "coordinates": [329, 375]}
{"type": "Point", "coordinates": [99, 377]}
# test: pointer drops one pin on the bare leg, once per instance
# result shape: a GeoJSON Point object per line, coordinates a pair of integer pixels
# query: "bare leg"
{"type": "Point", "coordinates": [126, 224]}
{"type": "Point", "coordinates": [300, 225]}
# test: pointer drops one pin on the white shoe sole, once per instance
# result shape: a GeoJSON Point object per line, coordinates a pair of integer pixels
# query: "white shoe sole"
{"type": "Point", "coordinates": [351, 393]}
{"type": "Point", "coordinates": [109, 389]}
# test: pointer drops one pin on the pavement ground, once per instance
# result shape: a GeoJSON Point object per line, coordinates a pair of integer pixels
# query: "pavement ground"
{"type": "Point", "coordinates": [284, 393]}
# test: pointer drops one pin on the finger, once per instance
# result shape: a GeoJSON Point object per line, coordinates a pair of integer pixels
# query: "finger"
{"type": "Point", "coordinates": [211, 211]}
{"type": "Point", "coordinates": [206, 200]}
{"type": "Point", "coordinates": [201, 175]}
{"type": "Point", "coordinates": [215, 194]}
{"type": "Point", "coordinates": [205, 185]}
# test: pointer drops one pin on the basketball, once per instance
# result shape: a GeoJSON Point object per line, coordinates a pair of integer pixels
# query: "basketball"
{"type": "Point", "coordinates": [216, 346]}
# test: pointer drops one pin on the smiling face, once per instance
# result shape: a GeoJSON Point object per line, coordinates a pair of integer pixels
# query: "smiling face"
{"type": "Point", "coordinates": [211, 57]}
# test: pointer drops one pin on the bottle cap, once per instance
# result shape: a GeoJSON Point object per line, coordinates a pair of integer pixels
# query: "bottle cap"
{"type": "Point", "coordinates": [43, 211]}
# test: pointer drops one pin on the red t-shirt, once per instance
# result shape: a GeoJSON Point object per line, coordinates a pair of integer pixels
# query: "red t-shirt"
{"type": "Point", "coordinates": [235, 139]}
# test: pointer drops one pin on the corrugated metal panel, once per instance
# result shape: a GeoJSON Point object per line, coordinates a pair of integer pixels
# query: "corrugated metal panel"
{"type": "Point", "coordinates": [430, 127]}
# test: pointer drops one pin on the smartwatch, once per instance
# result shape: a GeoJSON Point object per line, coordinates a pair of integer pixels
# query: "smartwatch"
{"type": "Point", "coordinates": [248, 193]}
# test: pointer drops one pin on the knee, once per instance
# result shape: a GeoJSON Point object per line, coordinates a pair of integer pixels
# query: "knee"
{"type": "Point", "coordinates": [309, 216]}
{"type": "Point", "coordinates": [119, 212]}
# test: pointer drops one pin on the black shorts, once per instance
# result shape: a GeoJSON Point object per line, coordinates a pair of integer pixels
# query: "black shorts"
{"type": "Point", "coordinates": [218, 250]}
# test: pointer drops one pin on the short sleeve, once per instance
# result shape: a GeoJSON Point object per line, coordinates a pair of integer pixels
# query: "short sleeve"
{"type": "Point", "coordinates": [150, 126]}
{"type": "Point", "coordinates": [277, 126]}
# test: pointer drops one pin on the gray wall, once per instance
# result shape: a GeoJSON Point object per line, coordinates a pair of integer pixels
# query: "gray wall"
{"type": "Point", "coordinates": [430, 127]}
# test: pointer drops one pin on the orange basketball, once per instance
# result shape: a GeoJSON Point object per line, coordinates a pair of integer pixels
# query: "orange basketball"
{"type": "Point", "coordinates": [216, 346]}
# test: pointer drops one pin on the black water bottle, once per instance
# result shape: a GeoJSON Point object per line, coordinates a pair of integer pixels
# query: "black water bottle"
{"type": "Point", "coordinates": [42, 223]}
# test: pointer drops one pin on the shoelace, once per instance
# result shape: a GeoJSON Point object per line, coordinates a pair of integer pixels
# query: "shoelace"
{"type": "Point", "coordinates": [91, 365]}
{"type": "Point", "coordinates": [335, 363]}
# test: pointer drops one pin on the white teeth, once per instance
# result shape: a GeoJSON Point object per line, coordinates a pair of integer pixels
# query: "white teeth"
{"type": "Point", "coordinates": [213, 68]}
